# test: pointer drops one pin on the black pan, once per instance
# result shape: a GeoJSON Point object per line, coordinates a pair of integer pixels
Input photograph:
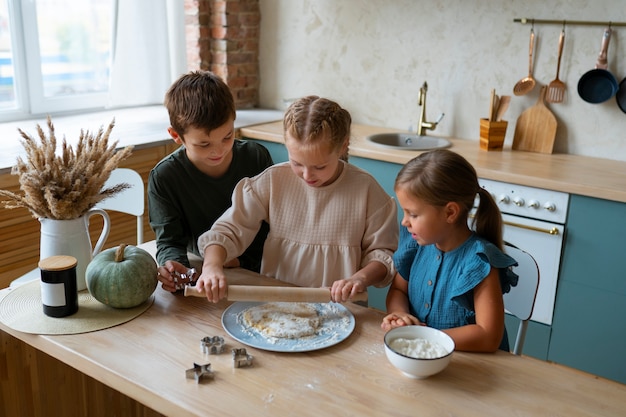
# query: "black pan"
{"type": "Point", "coordinates": [620, 97]}
{"type": "Point", "coordinates": [598, 85]}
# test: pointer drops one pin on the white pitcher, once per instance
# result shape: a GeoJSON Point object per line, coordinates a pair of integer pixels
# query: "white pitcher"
{"type": "Point", "coordinates": [71, 237]}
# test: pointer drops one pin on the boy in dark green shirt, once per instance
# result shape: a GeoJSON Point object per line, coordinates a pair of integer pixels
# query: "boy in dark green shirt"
{"type": "Point", "coordinates": [190, 188]}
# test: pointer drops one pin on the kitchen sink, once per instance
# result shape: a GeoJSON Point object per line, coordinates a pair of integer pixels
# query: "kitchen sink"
{"type": "Point", "coordinates": [408, 141]}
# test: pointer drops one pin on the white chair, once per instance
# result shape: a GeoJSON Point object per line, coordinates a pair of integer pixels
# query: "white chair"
{"type": "Point", "coordinates": [129, 201]}
{"type": "Point", "coordinates": [520, 301]}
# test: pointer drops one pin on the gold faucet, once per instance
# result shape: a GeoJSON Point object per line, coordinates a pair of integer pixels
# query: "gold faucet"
{"type": "Point", "coordinates": [423, 125]}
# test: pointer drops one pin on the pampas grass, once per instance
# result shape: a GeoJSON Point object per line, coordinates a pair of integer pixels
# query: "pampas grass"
{"type": "Point", "coordinates": [67, 185]}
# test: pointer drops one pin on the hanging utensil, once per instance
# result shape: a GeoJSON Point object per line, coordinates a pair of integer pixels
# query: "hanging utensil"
{"type": "Point", "coordinates": [556, 88]}
{"type": "Point", "coordinates": [526, 84]}
{"type": "Point", "coordinates": [598, 85]}
{"type": "Point", "coordinates": [620, 96]}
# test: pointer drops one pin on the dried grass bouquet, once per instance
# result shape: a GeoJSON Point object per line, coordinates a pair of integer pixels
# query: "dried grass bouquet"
{"type": "Point", "coordinates": [68, 185]}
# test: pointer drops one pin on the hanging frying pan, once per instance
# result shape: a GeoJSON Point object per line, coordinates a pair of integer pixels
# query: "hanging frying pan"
{"type": "Point", "coordinates": [598, 85]}
{"type": "Point", "coordinates": [620, 97]}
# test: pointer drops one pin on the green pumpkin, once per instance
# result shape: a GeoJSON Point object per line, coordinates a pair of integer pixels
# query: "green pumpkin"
{"type": "Point", "coordinates": [122, 277]}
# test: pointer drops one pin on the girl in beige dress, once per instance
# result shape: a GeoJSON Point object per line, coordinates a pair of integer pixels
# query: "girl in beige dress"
{"type": "Point", "coordinates": [331, 224]}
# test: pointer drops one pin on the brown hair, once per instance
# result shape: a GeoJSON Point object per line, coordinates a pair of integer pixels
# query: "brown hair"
{"type": "Point", "coordinates": [442, 176]}
{"type": "Point", "coordinates": [312, 119]}
{"type": "Point", "coordinates": [199, 99]}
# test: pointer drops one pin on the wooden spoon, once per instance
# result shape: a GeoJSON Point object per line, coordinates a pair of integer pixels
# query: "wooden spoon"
{"type": "Point", "coordinates": [492, 98]}
{"type": "Point", "coordinates": [502, 107]}
{"type": "Point", "coordinates": [526, 84]}
{"type": "Point", "coordinates": [556, 88]}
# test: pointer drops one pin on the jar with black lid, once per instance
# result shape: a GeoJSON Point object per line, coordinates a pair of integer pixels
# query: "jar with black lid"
{"type": "Point", "coordinates": [59, 293]}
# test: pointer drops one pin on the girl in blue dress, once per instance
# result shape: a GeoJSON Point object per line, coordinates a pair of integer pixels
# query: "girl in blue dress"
{"type": "Point", "coordinates": [449, 276]}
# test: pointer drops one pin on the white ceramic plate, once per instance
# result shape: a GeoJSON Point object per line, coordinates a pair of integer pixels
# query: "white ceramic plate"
{"type": "Point", "coordinates": [337, 324]}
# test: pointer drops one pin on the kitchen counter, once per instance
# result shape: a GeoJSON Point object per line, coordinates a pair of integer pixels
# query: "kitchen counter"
{"type": "Point", "coordinates": [139, 126]}
{"type": "Point", "coordinates": [147, 126]}
{"type": "Point", "coordinates": [591, 177]}
{"type": "Point", "coordinates": [146, 359]}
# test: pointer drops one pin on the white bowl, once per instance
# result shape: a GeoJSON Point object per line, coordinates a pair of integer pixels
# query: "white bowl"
{"type": "Point", "coordinates": [414, 367]}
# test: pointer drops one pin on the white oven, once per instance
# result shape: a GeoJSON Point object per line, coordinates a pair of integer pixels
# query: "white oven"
{"type": "Point", "coordinates": [534, 221]}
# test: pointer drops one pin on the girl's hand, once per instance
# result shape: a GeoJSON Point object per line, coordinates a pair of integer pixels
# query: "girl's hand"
{"type": "Point", "coordinates": [166, 273]}
{"type": "Point", "coordinates": [342, 290]}
{"type": "Point", "coordinates": [213, 282]}
{"type": "Point", "coordinates": [394, 320]}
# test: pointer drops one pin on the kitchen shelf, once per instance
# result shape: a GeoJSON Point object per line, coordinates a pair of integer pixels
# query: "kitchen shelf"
{"type": "Point", "coordinates": [525, 21]}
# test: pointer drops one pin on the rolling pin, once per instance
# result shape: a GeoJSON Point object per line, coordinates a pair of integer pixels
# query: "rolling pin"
{"type": "Point", "coordinates": [265, 293]}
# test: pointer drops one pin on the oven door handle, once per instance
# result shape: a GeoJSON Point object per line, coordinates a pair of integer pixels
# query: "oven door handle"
{"type": "Point", "coordinates": [553, 231]}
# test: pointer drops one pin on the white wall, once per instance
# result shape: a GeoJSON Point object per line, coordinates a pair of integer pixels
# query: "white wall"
{"type": "Point", "coordinates": [373, 55]}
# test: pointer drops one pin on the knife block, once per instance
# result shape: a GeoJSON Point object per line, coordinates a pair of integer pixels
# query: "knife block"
{"type": "Point", "coordinates": [492, 134]}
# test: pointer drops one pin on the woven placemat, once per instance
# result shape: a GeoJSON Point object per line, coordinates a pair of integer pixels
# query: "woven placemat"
{"type": "Point", "coordinates": [21, 309]}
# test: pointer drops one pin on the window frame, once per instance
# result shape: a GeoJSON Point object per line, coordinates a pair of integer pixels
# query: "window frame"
{"type": "Point", "coordinates": [30, 101]}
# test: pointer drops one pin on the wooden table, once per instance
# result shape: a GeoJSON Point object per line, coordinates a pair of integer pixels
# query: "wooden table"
{"type": "Point", "coordinates": [146, 358]}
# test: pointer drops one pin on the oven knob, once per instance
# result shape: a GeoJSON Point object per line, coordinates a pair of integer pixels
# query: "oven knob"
{"type": "Point", "coordinates": [549, 206]}
{"type": "Point", "coordinates": [533, 204]}
{"type": "Point", "coordinates": [503, 199]}
{"type": "Point", "coordinates": [519, 202]}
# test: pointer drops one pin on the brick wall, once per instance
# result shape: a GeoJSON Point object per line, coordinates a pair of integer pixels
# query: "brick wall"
{"type": "Point", "coordinates": [223, 36]}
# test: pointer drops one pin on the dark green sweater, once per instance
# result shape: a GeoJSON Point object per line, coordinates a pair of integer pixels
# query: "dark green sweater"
{"type": "Point", "coordinates": [183, 202]}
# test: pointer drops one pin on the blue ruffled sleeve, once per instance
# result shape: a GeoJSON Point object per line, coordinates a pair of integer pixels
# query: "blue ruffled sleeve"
{"type": "Point", "coordinates": [485, 256]}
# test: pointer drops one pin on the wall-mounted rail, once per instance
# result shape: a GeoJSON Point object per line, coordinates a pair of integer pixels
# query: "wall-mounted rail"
{"type": "Point", "coordinates": [531, 21]}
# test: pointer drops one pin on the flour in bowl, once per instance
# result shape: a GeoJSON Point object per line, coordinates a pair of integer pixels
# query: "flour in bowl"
{"type": "Point", "coordinates": [418, 348]}
{"type": "Point", "coordinates": [283, 320]}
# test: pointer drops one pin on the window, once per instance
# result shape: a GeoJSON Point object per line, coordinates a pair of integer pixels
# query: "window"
{"type": "Point", "coordinates": [60, 56]}
{"type": "Point", "coordinates": [54, 56]}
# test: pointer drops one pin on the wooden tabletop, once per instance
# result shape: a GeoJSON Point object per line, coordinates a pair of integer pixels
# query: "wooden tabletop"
{"type": "Point", "coordinates": [147, 357]}
{"type": "Point", "coordinates": [588, 176]}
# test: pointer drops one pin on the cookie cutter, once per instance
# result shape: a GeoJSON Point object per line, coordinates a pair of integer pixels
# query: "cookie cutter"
{"type": "Point", "coordinates": [181, 279]}
{"type": "Point", "coordinates": [212, 344]}
{"type": "Point", "coordinates": [241, 358]}
{"type": "Point", "coordinates": [199, 372]}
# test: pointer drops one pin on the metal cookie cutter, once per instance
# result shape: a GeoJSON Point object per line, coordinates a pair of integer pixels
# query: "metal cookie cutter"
{"type": "Point", "coordinates": [199, 372]}
{"type": "Point", "coordinates": [212, 345]}
{"type": "Point", "coordinates": [241, 358]}
{"type": "Point", "coordinates": [182, 279]}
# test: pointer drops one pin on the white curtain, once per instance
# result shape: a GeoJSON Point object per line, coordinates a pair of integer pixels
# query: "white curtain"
{"type": "Point", "coordinates": [148, 50]}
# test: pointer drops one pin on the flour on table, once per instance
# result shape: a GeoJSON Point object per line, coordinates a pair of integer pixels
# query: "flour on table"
{"type": "Point", "coordinates": [283, 320]}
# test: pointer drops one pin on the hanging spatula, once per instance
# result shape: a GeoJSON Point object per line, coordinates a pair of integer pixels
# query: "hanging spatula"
{"type": "Point", "coordinates": [556, 88]}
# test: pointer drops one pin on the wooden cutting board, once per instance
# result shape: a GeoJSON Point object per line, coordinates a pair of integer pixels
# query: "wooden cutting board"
{"type": "Point", "coordinates": [535, 130]}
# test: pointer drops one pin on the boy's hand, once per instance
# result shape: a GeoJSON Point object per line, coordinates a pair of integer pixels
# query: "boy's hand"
{"type": "Point", "coordinates": [167, 272]}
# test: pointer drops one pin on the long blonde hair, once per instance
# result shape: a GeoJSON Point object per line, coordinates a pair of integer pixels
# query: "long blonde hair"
{"type": "Point", "coordinates": [311, 119]}
{"type": "Point", "coordinates": [442, 176]}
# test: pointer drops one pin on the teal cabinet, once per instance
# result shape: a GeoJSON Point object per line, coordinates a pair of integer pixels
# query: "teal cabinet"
{"type": "Point", "coordinates": [589, 326]}
{"type": "Point", "coordinates": [277, 150]}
